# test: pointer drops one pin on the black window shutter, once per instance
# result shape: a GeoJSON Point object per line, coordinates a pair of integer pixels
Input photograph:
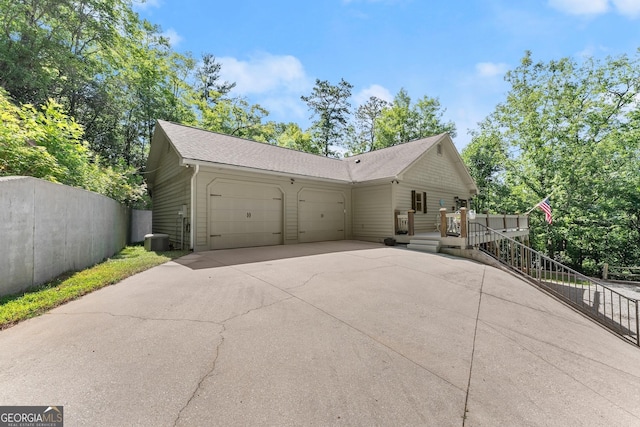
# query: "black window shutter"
{"type": "Point", "coordinates": [413, 200]}
{"type": "Point", "coordinates": [424, 202]}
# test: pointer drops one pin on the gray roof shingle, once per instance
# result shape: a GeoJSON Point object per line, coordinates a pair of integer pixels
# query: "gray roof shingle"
{"type": "Point", "coordinates": [389, 162]}
{"type": "Point", "coordinates": [201, 145]}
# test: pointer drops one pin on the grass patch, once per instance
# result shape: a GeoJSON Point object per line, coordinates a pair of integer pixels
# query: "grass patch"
{"type": "Point", "coordinates": [131, 260]}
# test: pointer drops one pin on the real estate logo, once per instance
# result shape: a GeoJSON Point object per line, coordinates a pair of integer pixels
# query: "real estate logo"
{"type": "Point", "coordinates": [31, 416]}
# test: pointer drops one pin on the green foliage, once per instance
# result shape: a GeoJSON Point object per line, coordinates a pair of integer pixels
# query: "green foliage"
{"type": "Point", "coordinates": [571, 130]}
{"type": "Point", "coordinates": [19, 153]}
{"type": "Point", "coordinates": [403, 122]}
{"type": "Point", "coordinates": [234, 117]}
{"type": "Point", "coordinates": [207, 80]}
{"type": "Point", "coordinates": [330, 106]}
{"type": "Point", "coordinates": [485, 156]}
{"type": "Point", "coordinates": [112, 72]}
{"type": "Point", "coordinates": [45, 143]}
{"type": "Point", "coordinates": [365, 128]}
{"type": "Point", "coordinates": [290, 135]}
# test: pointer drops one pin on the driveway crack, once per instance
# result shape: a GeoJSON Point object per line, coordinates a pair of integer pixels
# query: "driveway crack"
{"type": "Point", "coordinates": [254, 309]}
{"type": "Point", "coordinates": [131, 316]}
{"type": "Point", "coordinates": [362, 332]}
{"type": "Point", "coordinates": [473, 351]}
{"type": "Point", "coordinates": [313, 276]}
{"type": "Point", "coordinates": [204, 377]}
{"type": "Point", "coordinates": [211, 370]}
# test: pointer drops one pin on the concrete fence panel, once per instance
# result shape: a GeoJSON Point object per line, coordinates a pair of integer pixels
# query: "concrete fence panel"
{"type": "Point", "coordinates": [140, 225]}
{"type": "Point", "coordinates": [48, 229]}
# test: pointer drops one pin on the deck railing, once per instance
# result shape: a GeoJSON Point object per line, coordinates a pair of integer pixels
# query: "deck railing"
{"type": "Point", "coordinates": [618, 272]}
{"type": "Point", "coordinates": [617, 312]}
{"type": "Point", "coordinates": [457, 223]}
{"type": "Point", "coordinates": [402, 223]}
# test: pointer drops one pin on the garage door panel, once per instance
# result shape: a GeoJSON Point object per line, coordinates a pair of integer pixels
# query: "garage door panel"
{"type": "Point", "coordinates": [321, 215]}
{"type": "Point", "coordinates": [243, 215]}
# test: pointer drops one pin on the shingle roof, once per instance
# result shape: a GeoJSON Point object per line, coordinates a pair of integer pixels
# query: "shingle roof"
{"type": "Point", "coordinates": [200, 145]}
{"type": "Point", "coordinates": [389, 162]}
{"type": "Point", "coordinates": [205, 146]}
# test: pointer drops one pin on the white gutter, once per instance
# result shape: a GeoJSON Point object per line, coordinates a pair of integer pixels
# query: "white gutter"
{"type": "Point", "coordinates": [192, 227]}
{"type": "Point", "coordinates": [223, 166]}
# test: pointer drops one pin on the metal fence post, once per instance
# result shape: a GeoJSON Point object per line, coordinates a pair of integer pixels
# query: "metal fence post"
{"type": "Point", "coordinates": [637, 325]}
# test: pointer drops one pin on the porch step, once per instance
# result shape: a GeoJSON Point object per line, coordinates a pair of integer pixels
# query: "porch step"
{"type": "Point", "coordinates": [424, 245]}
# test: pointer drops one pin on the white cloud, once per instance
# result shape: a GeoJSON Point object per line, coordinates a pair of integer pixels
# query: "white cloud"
{"type": "Point", "coordinates": [276, 82]}
{"type": "Point", "coordinates": [287, 108]}
{"type": "Point", "coordinates": [264, 73]}
{"type": "Point", "coordinates": [591, 51]}
{"type": "Point", "coordinates": [173, 37]}
{"type": "Point", "coordinates": [491, 69]}
{"type": "Point", "coordinates": [629, 8]}
{"type": "Point", "coordinates": [581, 7]}
{"type": "Point", "coordinates": [373, 90]}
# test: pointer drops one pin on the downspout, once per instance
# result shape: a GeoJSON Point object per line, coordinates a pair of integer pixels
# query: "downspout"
{"type": "Point", "coordinates": [192, 228]}
{"type": "Point", "coordinates": [393, 206]}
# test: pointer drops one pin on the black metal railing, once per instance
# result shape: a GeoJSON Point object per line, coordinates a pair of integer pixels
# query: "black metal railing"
{"type": "Point", "coordinates": [614, 310]}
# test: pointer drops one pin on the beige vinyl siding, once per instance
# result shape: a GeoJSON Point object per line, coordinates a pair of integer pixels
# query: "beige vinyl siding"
{"type": "Point", "coordinates": [437, 175]}
{"type": "Point", "coordinates": [290, 190]}
{"type": "Point", "coordinates": [372, 213]}
{"type": "Point", "coordinates": [171, 190]}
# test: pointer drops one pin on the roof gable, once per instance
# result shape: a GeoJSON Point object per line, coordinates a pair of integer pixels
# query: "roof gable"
{"type": "Point", "coordinates": [389, 162]}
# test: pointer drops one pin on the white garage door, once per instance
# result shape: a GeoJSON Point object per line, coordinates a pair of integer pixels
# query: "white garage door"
{"type": "Point", "coordinates": [243, 215]}
{"type": "Point", "coordinates": [320, 215]}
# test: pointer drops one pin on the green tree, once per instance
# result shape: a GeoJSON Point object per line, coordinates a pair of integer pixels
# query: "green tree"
{"type": "Point", "coordinates": [235, 117]}
{"type": "Point", "coordinates": [330, 106]}
{"type": "Point", "coordinates": [570, 130]}
{"type": "Point", "coordinates": [208, 83]}
{"type": "Point", "coordinates": [114, 73]}
{"type": "Point", "coordinates": [147, 88]}
{"type": "Point", "coordinates": [403, 122]}
{"type": "Point", "coordinates": [396, 123]}
{"type": "Point", "coordinates": [486, 156]}
{"type": "Point", "coordinates": [365, 126]}
{"type": "Point", "coordinates": [46, 143]}
{"type": "Point", "coordinates": [20, 153]}
{"type": "Point", "coordinates": [290, 135]}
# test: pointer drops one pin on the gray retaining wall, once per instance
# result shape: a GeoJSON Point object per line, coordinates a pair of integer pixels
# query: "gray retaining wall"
{"type": "Point", "coordinates": [140, 225]}
{"type": "Point", "coordinates": [47, 229]}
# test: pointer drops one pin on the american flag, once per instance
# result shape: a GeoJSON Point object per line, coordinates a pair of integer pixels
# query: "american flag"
{"type": "Point", "coordinates": [546, 208]}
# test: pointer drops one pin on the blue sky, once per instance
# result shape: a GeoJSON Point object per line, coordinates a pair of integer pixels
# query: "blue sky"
{"type": "Point", "coordinates": [457, 51]}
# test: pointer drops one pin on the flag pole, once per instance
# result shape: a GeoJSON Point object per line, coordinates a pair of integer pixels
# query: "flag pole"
{"type": "Point", "coordinates": [529, 211]}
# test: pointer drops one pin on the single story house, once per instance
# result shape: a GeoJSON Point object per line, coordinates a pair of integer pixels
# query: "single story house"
{"type": "Point", "coordinates": [214, 191]}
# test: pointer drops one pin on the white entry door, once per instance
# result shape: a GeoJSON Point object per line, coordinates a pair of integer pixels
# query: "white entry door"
{"type": "Point", "coordinates": [321, 215]}
{"type": "Point", "coordinates": [244, 214]}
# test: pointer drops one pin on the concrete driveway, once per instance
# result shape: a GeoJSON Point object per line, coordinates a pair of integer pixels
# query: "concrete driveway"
{"type": "Point", "coordinates": [334, 333]}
